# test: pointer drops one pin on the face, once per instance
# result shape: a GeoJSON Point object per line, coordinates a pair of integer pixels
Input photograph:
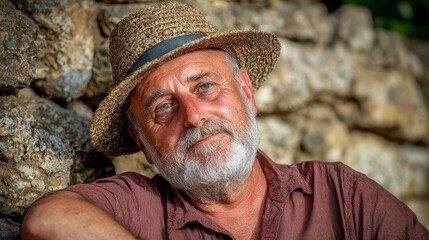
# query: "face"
{"type": "Point", "coordinates": [196, 123]}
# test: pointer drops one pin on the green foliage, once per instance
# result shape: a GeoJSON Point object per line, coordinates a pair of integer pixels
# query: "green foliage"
{"type": "Point", "coordinates": [410, 18]}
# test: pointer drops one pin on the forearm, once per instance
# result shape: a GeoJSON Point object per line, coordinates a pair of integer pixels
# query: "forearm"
{"type": "Point", "coordinates": [66, 215]}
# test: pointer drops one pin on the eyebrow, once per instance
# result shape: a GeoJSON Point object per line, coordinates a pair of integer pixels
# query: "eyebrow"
{"type": "Point", "coordinates": [152, 98]}
{"type": "Point", "coordinates": [198, 76]}
{"type": "Point", "coordinates": [159, 94]}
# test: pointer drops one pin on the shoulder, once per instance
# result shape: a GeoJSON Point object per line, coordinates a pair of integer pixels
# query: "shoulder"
{"type": "Point", "coordinates": [129, 197]}
{"type": "Point", "coordinates": [317, 166]}
{"type": "Point", "coordinates": [346, 181]}
{"type": "Point", "coordinates": [372, 212]}
{"type": "Point", "coordinates": [118, 187]}
{"type": "Point", "coordinates": [329, 172]}
{"type": "Point", "coordinates": [335, 180]}
{"type": "Point", "coordinates": [131, 179]}
{"type": "Point", "coordinates": [127, 182]}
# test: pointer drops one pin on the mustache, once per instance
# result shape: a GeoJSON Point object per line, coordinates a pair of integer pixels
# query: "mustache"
{"type": "Point", "coordinates": [210, 127]}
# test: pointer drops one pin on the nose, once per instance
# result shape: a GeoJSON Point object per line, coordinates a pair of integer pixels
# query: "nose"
{"type": "Point", "coordinates": [194, 114]}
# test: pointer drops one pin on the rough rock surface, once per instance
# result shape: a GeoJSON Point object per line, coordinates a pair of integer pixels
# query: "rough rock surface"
{"type": "Point", "coordinates": [19, 46]}
{"type": "Point", "coordinates": [299, 79]}
{"type": "Point", "coordinates": [66, 63]}
{"type": "Point", "coordinates": [41, 146]}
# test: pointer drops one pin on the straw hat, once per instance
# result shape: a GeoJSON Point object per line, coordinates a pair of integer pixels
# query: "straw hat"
{"type": "Point", "coordinates": [144, 40]}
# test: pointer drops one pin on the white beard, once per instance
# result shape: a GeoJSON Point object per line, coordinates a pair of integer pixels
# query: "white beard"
{"type": "Point", "coordinates": [216, 172]}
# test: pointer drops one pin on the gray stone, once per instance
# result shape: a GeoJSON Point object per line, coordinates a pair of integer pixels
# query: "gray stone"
{"type": "Point", "coordinates": [390, 51]}
{"type": "Point", "coordinates": [19, 45]}
{"type": "Point", "coordinates": [94, 166]}
{"type": "Point", "coordinates": [420, 208]}
{"type": "Point", "coordinates": [421, 50]}
{"type": "Point", "coordinates": [221, 13]}
{"type": "Point", "coordinates": [129, 1]}
{"type": "Point", "coordinates": [65, 66]}
{"type": "Point", "coordinates": [355, 27]}
{"type": "Point", "coordinates": [349, 112]}
{"type": "Point", "coordinates": [109, 15]}
{"type": "Point", "coordinates": [324, 136]}
{"type": "Point", "coordinates": [67, 86]}
{"type": "Point", "coordinates": [416, 159]}
{"type": "Point", "coordinates": [314, 132]}
{"type": "Point", "coordinates": [382, 161]}
{"type": "Point", "coordinates": [135, 162]}
{"type": "Point", "coordinates": [101, 80]}
{"type": "Point", "coordinates": [280, 137]}
{"type": "Point", "coordinates": [8, 231]}
{"type": "Point", "coordinates": [303, 22]}
{"type": "Point", "coordinates": [27, 93]}
{"type": "Point", "coordinates": [39, 142]}
{"type": "Point", "coordinates": [390, 103]}
{"type": "Point", "coordinates": [80, 109]}
{"type": "Point", "coordinates": [302, 73]}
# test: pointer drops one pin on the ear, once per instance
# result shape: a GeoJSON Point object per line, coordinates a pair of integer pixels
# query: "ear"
{"type": "Point", "coordinates": [248, 89]}
{"type": "Point", "coordinates": [136, 137]}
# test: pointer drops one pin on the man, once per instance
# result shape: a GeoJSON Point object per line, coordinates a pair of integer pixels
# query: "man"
{"type": "Point", "coordinates": [184, 96]}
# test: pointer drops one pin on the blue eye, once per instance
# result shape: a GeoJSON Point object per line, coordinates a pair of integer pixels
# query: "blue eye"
{"type": "Point", "coordinates": [205, 86]}
{"type": "Point", "coordinates": [164, 107]}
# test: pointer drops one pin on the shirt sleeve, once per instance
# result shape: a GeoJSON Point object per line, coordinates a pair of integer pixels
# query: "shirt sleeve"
{"type": "Point", "coordinates": [377, 214]}
{"type": "Point", "coordinates": [129, 197]}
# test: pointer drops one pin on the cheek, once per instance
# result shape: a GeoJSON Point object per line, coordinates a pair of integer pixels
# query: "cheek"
{"type": "Point", "coordinates": [232, 108]}
{"type": "Point", "coordinates": [163, 138]}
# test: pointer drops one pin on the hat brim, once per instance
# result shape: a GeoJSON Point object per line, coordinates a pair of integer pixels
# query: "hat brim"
{"type": "Point", "coordinates": [254, 51]}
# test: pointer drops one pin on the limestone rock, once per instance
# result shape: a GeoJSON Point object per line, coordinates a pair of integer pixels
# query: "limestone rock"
{"type": "Point", "coordinates": [129, 1]}
{"type": "Point", "coordinates": [101, 80]}
{"type": "Point", "coordinates": [302, 73]}
{"type": "Point", "coordinates": [420, 208]}
{"type": "Point", "coordinates": [390, 103]}
{"type": "Point", "coordinates": [135, 162]}
{"type": "Point", "coordinates": [324, 136]}
{"type": "Point", "coordinates": [384, 162]}
{"type": "Point", "coordinates": [280, 137]}
{"type": "Point", "coordinates": [356, 28]}
{"type": "Point", "coordinates": [39, 143]}
{"type": "Point", "coordinates": [65, 67]}
{"type": "Point", "coordinates": [94, 166]}
{"type": "Point", "coordinates": [390, 51]}
{"type": "Point", "coordinates": [312, 133]}
{"type": "Point", "coordinates": [19, 45]}
{"type": "Point", "coordinates": [221, 13]}
{"type": "Point", "coordinates": [81, 109]}
{"type": "Point", "coordinates": [303, 22]}
{"type": "Point", "coordinates": [109, 15]}
{"type": "Point", "coordinates": [416, 160]}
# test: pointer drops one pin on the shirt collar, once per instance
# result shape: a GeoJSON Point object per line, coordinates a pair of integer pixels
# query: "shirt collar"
{"type": "Point", "coordinates": [181, 212]}
{"type": "Point", "coordinates": [282, 180]}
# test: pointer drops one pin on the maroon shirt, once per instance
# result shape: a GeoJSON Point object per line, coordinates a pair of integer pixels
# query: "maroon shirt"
{"type": "Point", "coordinates": [310, 200]}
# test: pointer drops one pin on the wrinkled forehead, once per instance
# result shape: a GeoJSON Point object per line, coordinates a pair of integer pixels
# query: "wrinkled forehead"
{"type": "Point", "coordinates": [181, 69]}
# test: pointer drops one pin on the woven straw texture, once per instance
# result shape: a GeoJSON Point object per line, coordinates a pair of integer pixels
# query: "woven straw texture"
{"type": "Point", "coordinates": [255, 51]}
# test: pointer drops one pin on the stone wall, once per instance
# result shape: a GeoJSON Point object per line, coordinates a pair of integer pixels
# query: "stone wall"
{"type": "Point", "coordinates": [341, 91]}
